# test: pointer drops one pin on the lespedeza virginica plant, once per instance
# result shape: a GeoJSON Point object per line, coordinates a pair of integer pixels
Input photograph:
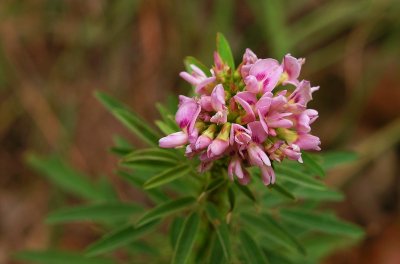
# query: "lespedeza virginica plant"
{"type": "Point", "coordinates": [241, 127]}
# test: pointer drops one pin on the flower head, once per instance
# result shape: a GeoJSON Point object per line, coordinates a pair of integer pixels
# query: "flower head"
{"type": "Point", "coordinates": [254, 115]}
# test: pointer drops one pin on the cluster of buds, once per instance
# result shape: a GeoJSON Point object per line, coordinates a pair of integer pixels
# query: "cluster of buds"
{"type": "Point", "coordinates": [254, 115]}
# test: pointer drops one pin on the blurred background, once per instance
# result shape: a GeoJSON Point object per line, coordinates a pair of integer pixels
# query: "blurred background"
{"type": "Point", "coordinates": [55, 53]}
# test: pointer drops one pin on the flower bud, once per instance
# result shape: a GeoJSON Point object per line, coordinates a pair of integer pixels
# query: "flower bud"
{"type": "Point", "coordinates": [173, 140]}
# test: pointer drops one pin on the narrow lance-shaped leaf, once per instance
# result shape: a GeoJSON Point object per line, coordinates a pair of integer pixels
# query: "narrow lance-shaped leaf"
{"type": "Point", "coordinates": [174, 230]}
{"type": "Point", "coordinates": [167, 176]}
{"type": "Point", "coordinates": [193, 61]}
{"type": "Point", "coordinates": [59, 257]}
{"type": "Point", "coordinates": [221, 229]}
{"type": "Point", "coordinates": [186, 239]}
{"type": "Point", "coordinates": [246, 191]}
{"type": "Point", "coordinates": [283, 191]}
{"type": "Point", "coordinates": [332, 159]}
{"type": "Point", "coordinates": [299, 178]}
{"type": "Point", "coordinates": [129, 119]}
{"type": "Point", "coordinates": [268, 229]}
{"type": "Point", "coordinates": [321, 222]}
{"type": "Point", "coordinates": [166, 209]}
{"type": "Point", "coordinates": [66, 177]}
{"type": "Point", "coordinates": [252, 251]}
{"type": "Point", "coordinates": [312, 164]}
{"type": "Point", "coordinates": [97, 212]}
{"type": "Point", "coordinates": [118, 238]}
{"type": "Point", "coordinates": [224, 51]}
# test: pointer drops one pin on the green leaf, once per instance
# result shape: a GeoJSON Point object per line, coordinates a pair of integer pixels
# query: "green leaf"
{"type": "Point", "coordinates": [312, 164]}
{"type": "Point", "coordinates": [273, 231]}
{"type": "Point", "coordinates": [221, 229]}
{"type": "Point", "coordinates": [186, 239]}
{"type": "Point", "coordinates": [129, 119]}
{"type": "Point", "coordinates": [246, 191]}
{"type": "Point", "coordinates": [224, 51]}
{"type": "Point", "coordinates": [232, 199]}
{"type": "Point", "coordinates": [252, 251]}
{"type": "Point", "coordinates": [167, 176]}
{"type": "Point", "coordinates": [299, 178]}
{"type": "Point", "coordinates": [174, 230]}
{"type": "Point", "coordinates": [317, 195]}
{"type": "Point", "coordinates": [166, 209]}
{"type": "Point", "coordinates": [164, 127]}
{"type": "Point", "coordinates": [333, 159]}
{"type": "Point", "coordinates": [149, 156]}
{"type": "Point", "coordinates": [192, 60]}
{"type": "Point", "coordinates": [283, 191]}
{"type": "Point", "coordinates": [326, 223]}
{"type": "Point", "coordinates": [119, 238]}
{"type": "Point", "coordinates": [215, 183]}
{"type": "Point", "coordinates": [59, 257]}
{"type": "Point", "coordinates": [155, 194]}
{"type": "Point", "coordinates": [97, 212]}
{"type": "Point", "coordinates": [66, 177]}
{"type": "Point", "coordinates": [216, 254]}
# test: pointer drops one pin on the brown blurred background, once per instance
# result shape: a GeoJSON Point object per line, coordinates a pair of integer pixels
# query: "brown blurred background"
{"type": "Point", "coordinates": [55, 53]}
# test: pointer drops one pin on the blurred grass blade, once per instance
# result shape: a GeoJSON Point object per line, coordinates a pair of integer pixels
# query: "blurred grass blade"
{"type": "Point", "coordinates": [166, 129]}
{"type": "Point", "coordinates": [167, 176]}
{"type": "Point", "coordinates": [97, 212]}
{"type": "Point", "coordinates": [224, 51]}
{"type": "Point", "coordinates": [221, 229]}
{"type": "Point", "coordinates": [129, 119]}
{"type": "Point", "coordinates": [246, 191]}
{"type": "Point", "coordinates": [192, 60]}
{"type": "Point", "coordinates": [118, 238]}
{"type": "Point", "coordinates": [231, 199]}
{"type": "Point", "coordinates": [252, 251]}
{"type": "Point", "coordinates": [59, 257]}
{"type": "Point", "coordinates": [66, 177]}
{"type": "Point", "coordinates": [321, 222]}
{"type": "Point", "coordinates": [186, 239]}
{"type": "Point", "coordinates": [166, 209]}
{"type": "Point", "coordinates": [299, 178]}
{"type": "Point", "coordinates": [312, 165]}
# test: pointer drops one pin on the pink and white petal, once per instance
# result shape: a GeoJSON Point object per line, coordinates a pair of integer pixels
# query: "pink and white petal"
{"type": "Point", "coordinates": [249, 117]}
{"type": "Point", "coordinates": [258, 134]}
{"type": "Point", "coordinates": [218, 98]}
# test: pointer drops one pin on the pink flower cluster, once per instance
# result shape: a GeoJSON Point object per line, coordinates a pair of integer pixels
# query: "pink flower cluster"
{"type": "Point", "coordinates": [250, 116]}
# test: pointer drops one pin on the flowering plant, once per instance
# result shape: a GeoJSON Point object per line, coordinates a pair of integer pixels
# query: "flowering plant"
{"type": "Point", "coordinates": [250, 123]}
{"type": "Point", "coordinates": [249, 115]}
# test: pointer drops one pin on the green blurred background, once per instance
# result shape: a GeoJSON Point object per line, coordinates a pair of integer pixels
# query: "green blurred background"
{"type": "Point", "coordinates": [55, 53]}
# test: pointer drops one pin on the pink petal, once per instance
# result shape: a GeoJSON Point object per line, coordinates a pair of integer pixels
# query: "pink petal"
{"type": "Point", "coordinates": [268, 175]}
{"type": "Point", "coordinates": [218, 98]}
{"type": "Point", "coordinates": [258, 134]}
{"type": "Point", "coordinates": [249, 117]}
{"type": "Point", "coordinates": [173, 140]}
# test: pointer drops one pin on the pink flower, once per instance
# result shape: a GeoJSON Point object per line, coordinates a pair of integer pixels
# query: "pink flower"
{"type": "Point", "coordinates": [198, 79]}
{"type": "Point", "coordinates": [238, 115]}
{"type": "Point", "coordinates": [292, 67]}
{"type": "Point", "coordinates": [268, 175]}
{"type": "Point", "coordinates": [174, 140]}
{"type": "Point", "coordinates": [235, 168]}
